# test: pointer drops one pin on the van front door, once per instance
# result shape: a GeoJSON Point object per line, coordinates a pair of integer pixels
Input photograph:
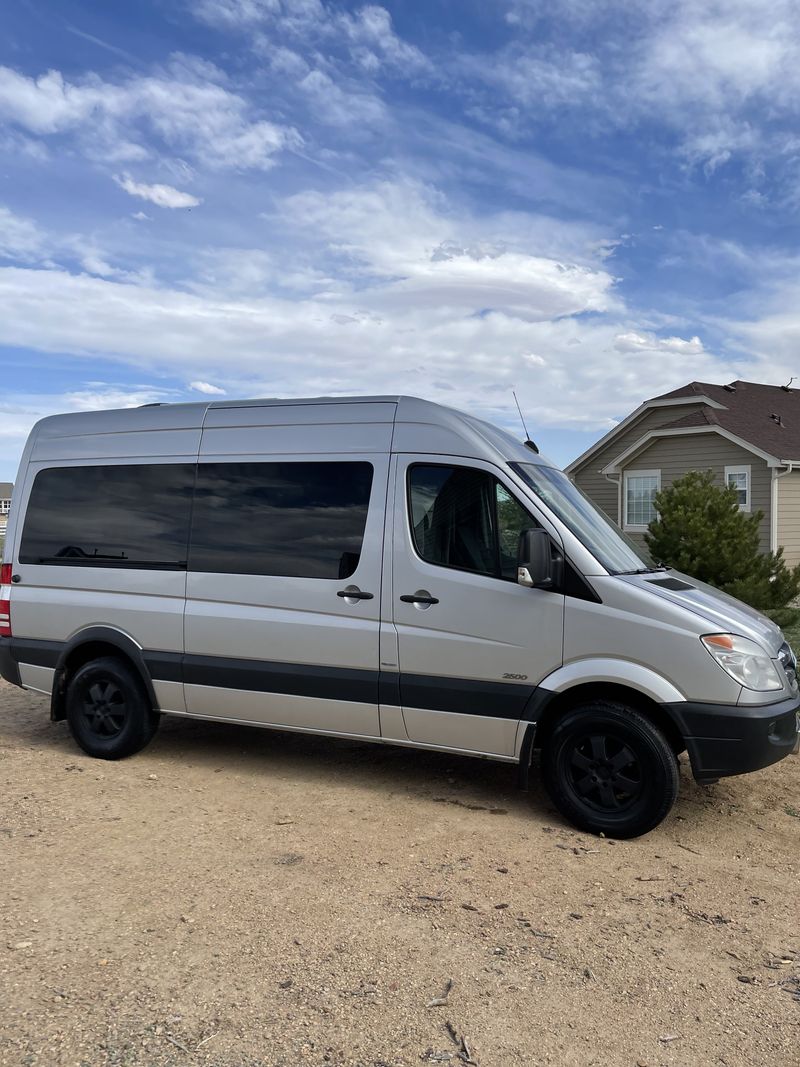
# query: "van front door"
{"type": "Point", "coordinates": [283, 591]}
{"type": "Point", "coordinates": [472, 643]}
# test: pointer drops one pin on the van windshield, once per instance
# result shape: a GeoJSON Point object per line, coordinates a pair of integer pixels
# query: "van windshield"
{"type": "Point", "coordinates": [607, 543]}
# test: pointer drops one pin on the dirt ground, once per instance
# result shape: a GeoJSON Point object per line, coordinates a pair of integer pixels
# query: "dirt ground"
{"type": "Point", "coordinates": [238, 897]}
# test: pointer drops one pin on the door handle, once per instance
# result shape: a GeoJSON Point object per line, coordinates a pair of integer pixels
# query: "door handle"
{"type": "Point", "coordinates": [354, 593]}
{"type": "Point", "coordinates": [418, 598]}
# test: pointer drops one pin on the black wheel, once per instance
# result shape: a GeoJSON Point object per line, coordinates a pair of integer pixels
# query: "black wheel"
{"type": "Point", "coordinates": [108, 711]}
{"type": "Point", "coordinates": [609, 770]}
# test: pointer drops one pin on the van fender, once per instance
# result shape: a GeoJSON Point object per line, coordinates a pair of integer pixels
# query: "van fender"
{"type": "Point", "coordinates": [616, 672]}
{"type": "Point", "coordinates": [106, 635]}
{"type": "Point", "coordinates": [597, 669]}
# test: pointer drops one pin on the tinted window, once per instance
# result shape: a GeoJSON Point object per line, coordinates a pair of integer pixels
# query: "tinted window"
{"type": "Point", "coordinates": [111, 516]}
{"type": "Point", "coordinates": [512, 521]}
{"type": "Point", "coordinates": [302, 520]}
{"type": "Point", "coordinates": [464, 518]}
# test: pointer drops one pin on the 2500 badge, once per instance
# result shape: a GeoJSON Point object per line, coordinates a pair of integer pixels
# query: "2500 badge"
{"type": "Point", "coordinates": [516, 677]}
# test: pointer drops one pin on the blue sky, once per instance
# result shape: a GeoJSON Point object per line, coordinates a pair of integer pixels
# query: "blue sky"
{"type": "Point", "coordinates": [293, 197]}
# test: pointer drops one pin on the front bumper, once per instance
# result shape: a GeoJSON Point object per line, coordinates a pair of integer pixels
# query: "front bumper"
{"type": "Point", "coordinates": [722, 739]}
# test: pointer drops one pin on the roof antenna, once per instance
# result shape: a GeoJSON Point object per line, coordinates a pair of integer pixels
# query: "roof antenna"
{"type": "Point", "coordinates": [528, 442]}
{"type": "Point", "coordinates": [786, 387]}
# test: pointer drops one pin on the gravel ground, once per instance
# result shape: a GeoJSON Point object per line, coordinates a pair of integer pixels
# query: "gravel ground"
{"type": "Point", "coordinates": [237, 897]}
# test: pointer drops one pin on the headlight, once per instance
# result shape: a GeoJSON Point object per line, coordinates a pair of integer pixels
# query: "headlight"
{"type": "Point", "coordinates": [744, 660]}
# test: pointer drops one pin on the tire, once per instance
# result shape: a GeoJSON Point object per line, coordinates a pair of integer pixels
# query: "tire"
{"type": "Point", "coordinates": [108, 711]}
{"type": "Point", "coordinates": [609, 770]}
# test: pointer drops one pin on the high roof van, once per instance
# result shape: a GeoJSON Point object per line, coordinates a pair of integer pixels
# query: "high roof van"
{"type": "Point", "coordinates": [380, 568]}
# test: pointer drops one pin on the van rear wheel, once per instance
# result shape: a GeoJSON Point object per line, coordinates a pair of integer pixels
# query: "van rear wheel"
{"type": "Point", "coordinates": [108, 710]}
{"type": "Point", "coordinates": [609, 770]}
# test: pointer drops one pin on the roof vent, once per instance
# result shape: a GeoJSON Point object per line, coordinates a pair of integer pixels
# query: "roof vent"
{"type": "Point", "coordinates": [776, 419]}
{"type": "Point", "coordinates": [729, 388]}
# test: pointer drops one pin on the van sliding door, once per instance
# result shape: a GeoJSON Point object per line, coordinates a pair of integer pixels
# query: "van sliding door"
{"type": "Point", "coordinates": [283, 590]}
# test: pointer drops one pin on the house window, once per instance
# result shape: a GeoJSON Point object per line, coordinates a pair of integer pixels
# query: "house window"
{"type": "Point", "coordinates": [5, 507]}
{"type": "Point", "coordinates": [640, 496]}
{"type": "Point", "coordinates": [739, 478]}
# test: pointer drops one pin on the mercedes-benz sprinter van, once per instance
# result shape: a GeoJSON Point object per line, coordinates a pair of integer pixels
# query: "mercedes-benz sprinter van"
{"type": "Point", "coordinates": [380, 568]}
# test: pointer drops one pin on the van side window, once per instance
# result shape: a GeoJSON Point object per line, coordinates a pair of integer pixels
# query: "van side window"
{"type": "Point", "coordinates": [512, 521]}
{"type": "Point", "coordinates": [464, 518]}
{"type": "Point", "coordinates": [289, 519]}
{"type": "Point", "coordinates": [119, 515]}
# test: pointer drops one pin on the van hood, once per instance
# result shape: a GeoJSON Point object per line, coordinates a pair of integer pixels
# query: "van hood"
{"type": "Point", "coordinates": [724, 613]}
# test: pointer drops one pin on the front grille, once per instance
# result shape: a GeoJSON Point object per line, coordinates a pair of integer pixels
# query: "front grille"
{"type": "Point", "coordinates": [789, 663]}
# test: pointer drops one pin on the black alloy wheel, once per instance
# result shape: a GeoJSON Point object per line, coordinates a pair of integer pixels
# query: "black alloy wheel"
{"type": "Point", "coordinates": [605, 771]}
{"type": "Point", "coordinates": [610, 770]}
{"type": "Point", "coordinates": [104, 709]}
{"type": "Point", "coordinates": [108, 711]}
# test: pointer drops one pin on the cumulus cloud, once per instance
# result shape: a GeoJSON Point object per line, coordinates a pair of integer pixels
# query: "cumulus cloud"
{"type": "Point", "coordinates": [382, 287]}
{"type": "Point", "coordinates": [160, 195]}
{"type": "Point", "coordinates": [400, 232]}
{"type": "Point", "coordinates": [353, 345]}
{"type": "Point", "coordinates": [207, 388]}
{"type": "Point", "coordinates": [649, 343]}
{"type": "Point", "coordinates": [184, 108]}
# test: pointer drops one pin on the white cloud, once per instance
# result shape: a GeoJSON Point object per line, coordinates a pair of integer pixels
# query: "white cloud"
{"type": "Point", "coordinates": [401, 234]}
{"type": "Point", "coordinates": [206, 387]}
{"type": "Point", "coordinates": [384, 337]}
{"type": "Point", "coordinates": [542, 77]}
{"type": "Point", "coordinates": [650, 344]}
{"type": "Point", "coordinates": [337, 106]}
{"type": "Point", "coordinates": [367, 33]}
{"type": "Point", "coordinates": [718, 75]}
{"type": "Point", "coordinates": [235, 13]}
{"type": "Point", "coordinates": [387, 287]}
{"type": "Point", "coordinates": [22, 241]}
{"type": "Point", "coordinates": [185, 107]}
{"type": "Point", "coordinates": [375, 43]}
{"type": "Point", "coordinates": [19, 411]}
{"type": "Point", "coordinates": [46, 104]}
{"type": "Point", "coordinates": [160, 195]}
{"type": "Point", "coordinates": [20, 238]}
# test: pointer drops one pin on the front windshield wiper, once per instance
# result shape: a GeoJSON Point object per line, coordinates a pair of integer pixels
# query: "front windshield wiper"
{"type": "Point", "coordinates": [645, 570]}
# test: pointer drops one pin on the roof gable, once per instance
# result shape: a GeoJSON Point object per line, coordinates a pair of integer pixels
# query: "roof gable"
{"type": "Point", "coordinates": [765, 417]}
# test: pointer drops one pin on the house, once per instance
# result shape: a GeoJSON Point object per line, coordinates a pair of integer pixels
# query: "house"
{"type": "Point", "coordinates": [5, 503]}
{"type": "Point", "coordinates": [5, 507]}
{"type": "Point", "coordinates": [747, 434]}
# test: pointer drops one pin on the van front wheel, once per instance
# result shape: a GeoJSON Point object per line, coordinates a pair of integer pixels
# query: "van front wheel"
{"type": "Point", "coordinates": [609, 770]}
{"type": "Point", "coordinates": [108, 711]}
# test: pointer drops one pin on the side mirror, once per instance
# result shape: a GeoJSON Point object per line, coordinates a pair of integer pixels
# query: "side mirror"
{"type": "Point", "coordinates": [536, 567]}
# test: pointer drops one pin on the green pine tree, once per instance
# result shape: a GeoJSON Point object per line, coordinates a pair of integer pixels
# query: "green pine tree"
{"type": "Point", "coordinates": [701, 531]}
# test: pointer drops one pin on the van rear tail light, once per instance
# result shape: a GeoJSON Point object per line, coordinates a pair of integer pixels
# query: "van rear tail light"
{"type": "Point", "coordinates": [5, 602]}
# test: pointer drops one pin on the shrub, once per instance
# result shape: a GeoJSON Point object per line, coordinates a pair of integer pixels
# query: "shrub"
{"type": "Point", "coordinates": [701, 531]}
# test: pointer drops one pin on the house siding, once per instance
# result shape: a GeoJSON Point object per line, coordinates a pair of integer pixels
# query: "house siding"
{"type": "Point", "coordinates": [587, 476]}
{"type": "Point", "coordinates": [789, 516]}
{"type": "Point", "coordinates": [674, 456]}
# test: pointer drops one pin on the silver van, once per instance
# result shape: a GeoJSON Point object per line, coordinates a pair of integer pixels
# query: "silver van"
{"type": "Point", "coordinates": [380, 568]}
